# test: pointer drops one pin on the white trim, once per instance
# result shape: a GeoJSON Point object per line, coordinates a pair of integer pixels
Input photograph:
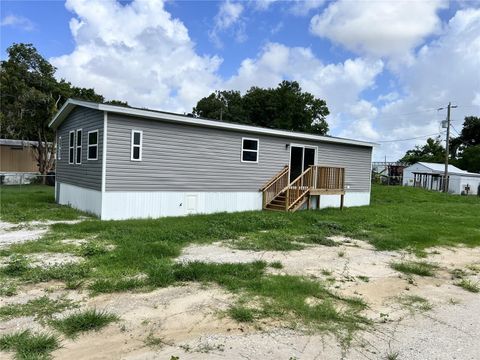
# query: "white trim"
{"type": "Point", "coordinates": [70, 147]}
{"type": "Point", "coordinates": [104, 152]}
{"type": "Point", "coordinates": [59, 148]}
{"type": "Point", "coordinates": [92, 145]}
{"type": "Point", "coordinates": [140, 146]}
{"type": "Point", "coordinates": [249, 150]}
{"type": "Point", "coordinates": [78, 146]}
{"type": "Point", "coordinates": [70, 104]}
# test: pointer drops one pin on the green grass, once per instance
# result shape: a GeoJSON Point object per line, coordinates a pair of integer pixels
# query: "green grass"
{"type": "Point", "coordinates": [143, 250]}
{"type": "Point", "coordinates": [29, 346]}
{"type": "Point", "coordinates": [88, 320]}
{"type": "Point", "coordinates": [469, 285]}
{"type": "Point", "coordinates": [421, 268]}
{"type": "Point", "coordinates": [415, 303]}
{"type": "Point", "coordinates": [241, 313]}
{"type": "Point", "coordinates": [33, 202]}
{"type": "Point", "coordinates": [41, 308]}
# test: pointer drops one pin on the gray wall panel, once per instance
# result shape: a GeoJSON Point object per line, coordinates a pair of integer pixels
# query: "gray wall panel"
{"type": "Point", "coordinates": [190, 158]}
{"type": "Point", "coordinates": [89, 173]}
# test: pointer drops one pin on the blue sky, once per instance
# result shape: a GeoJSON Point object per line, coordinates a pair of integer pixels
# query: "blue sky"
{"type": "Point", "coordinates": [381, 66]}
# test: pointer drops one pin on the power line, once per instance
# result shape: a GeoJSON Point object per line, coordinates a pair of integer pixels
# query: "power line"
{"type": "Point", "coordinates": [414, 138]}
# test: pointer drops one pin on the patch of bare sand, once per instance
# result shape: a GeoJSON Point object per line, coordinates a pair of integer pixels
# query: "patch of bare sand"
{"type": "Point", "coordinates": [27, 231]}
{"type": "Point", "coordinates": [173, 314]}
{"type": "Point", "coordinates": [358, 270]}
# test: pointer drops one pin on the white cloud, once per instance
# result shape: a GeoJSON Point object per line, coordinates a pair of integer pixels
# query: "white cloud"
{"type": "Point", "coordinates": [20, 22]}
{"type": "Point", "coordinates": [339, 84]}
{"type": "Point", "coordinates": [303, 7]}
{"type": "Point", "coordinates": [378, 28]}
{"type": "Point", "coordinates": [228, 16]}
{"type": "Point", "coordinates": [138, 53]}
{"type": "Point", "coordinates": [445, 70]}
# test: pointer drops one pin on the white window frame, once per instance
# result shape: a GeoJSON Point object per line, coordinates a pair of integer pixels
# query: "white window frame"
{"type": "Point", "coordinates": [92, 145]}
{"type": "Point", "coordinates": [248, 150]}
{"type": "Point", "coordinates": [78, 147]}
{"type": "Point", "coordinates": [59, 148]}
{"type": "Point", "coordinates": [140, 146]}
{"type": "Point", "coordinates": [71, 147]}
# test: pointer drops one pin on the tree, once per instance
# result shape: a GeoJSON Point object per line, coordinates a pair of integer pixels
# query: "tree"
{"type": "Point", "coordinates": [470, 159]}
{"type": "Point", "coordinates": [432, 151]}
{"type": "Point", "coordinates": [284, 107]}
{"type": "Point", "coordinates": [30, 96]}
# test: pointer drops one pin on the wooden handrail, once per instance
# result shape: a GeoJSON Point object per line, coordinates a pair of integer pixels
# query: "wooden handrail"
{"type": "Point", "coordinates": [328, 179]}
{"type": "Point", "coordinates": [273, 179]}
{"type": "Point", "coordinates": [275, 187]}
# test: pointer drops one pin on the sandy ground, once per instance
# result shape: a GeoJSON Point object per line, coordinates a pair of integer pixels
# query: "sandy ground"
{"type": "Point", "coordinates": [189, 321]}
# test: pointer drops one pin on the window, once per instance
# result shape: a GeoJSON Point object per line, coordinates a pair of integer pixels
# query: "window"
{"type": "Point", "coordinates": [92, 150]}
{"type": "Point", "coordinates": [136, 153]}
{"type": "Point", "coordinates": [71, 146]}
{"type": "Point", "coordinates": [249, 150]}
{"type": "Point", "coordinates": [78, 148]}
{"type": "Point", "coordinates": [59, 148]}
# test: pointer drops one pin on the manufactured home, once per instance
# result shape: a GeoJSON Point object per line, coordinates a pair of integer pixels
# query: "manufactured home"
{"type": "Point", "coordinates": [431, 176]}
{"type": "Point", "coordinates": [122, 162]}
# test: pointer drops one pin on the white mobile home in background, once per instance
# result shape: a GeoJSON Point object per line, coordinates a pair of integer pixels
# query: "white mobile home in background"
{"type": "Point", "coordinates": [430, 176]}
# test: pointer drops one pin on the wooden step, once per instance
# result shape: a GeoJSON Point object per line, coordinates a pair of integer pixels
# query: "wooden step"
{"type": "Point", "coordinates": [277, 202]}
{"type": "Point", "coordinates": [276, 207]}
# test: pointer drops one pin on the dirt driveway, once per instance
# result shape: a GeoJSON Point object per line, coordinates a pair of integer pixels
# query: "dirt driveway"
{"type": "Point", "coordinates": [189, 321]}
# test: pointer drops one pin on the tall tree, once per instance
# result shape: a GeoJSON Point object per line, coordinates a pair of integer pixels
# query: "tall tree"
{"type": "Point", "coordinates": [30, 96]}
{"type": "Point", "coordinates": [284, 107]}
{"type": "Point", "coordinates": [432, 151]}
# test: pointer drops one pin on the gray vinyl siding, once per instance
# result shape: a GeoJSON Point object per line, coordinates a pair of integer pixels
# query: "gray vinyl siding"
{"type": "Point", "coordinates": [88, 174]}
{"type": "Point", "coordinates": [178, 157]}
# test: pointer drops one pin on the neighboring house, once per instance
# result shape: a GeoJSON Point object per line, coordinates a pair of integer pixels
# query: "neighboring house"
{"type": "Point", "coordinates": [17, 161]}
{"type": "Point", "coordinates": [121, 162]}
{"type": "Point", "coordinates": [431, 176]}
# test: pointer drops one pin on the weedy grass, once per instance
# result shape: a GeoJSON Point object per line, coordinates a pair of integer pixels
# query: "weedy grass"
{"type": "Point", "coordinates": [415, 303]}
{"type": "Point", "coordinates": [276, 265]}
{"type": "Point", "coordinates": [241, 313]}
{"type": "Point", "coordinates": [83, 321]}
{"type": "Point", "coordinates": [33, 202]}
{"type": "Point", "coordinates": [29, 346]}
{"type": "Point", "coordinates": [421, 268]}
{"type": "Point", "coordinates": [41, 308]}
{"type": "Point", "coordinates": [469, 285]}
{"type": "Point", "coordinates": [143, 250]}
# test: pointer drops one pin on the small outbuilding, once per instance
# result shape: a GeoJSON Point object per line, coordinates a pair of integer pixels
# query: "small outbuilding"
{"type": "Point", "coordinates": [17, 161]}
{"type": "Point", "coordinates": [122, 162]}
{"type": "Point", "coordinates": [430, 176]}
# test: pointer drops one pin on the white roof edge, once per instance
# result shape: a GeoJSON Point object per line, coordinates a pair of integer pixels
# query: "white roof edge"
{"type": "Point", "coordinates": [70, 103]}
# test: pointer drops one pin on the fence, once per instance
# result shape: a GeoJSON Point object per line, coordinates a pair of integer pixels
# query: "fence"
{"type": "Point", "coordinates": [27, 179]}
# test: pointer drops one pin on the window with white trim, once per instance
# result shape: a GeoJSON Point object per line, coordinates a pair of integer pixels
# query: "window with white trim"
{"type": "Point", "coordinates": [136, 150]}
{"type": "Point", "coordinates": [71, 147]}
{"type": "Point", "coordinates": [59, 148]}
{"type": "Point", "coordinates": [92, 149]}
{"type": "Point", "coordinates": [78, 147]}
{"type": "Point", "coordinates": [250, 150]}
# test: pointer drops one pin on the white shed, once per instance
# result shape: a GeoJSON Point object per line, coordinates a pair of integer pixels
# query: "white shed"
{"type": "Point", "coordinates": [430, 176]}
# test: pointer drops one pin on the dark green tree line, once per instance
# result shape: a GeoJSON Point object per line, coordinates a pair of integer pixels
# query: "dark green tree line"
{"type": "Point", "coordinates": [284, 107]}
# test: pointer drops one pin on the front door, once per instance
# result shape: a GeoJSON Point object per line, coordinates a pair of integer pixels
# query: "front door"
{"type": "Point", "coordinates": [301, 157]}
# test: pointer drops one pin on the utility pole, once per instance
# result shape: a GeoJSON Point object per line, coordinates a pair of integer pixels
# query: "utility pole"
{"type": "Point", "coordinates": [447, 147]}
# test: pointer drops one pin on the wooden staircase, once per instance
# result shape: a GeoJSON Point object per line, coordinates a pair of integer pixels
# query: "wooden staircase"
{"type": "Point", "coordinates": [281, 195]}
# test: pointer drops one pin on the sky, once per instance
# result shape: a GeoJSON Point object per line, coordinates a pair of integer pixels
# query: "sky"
{"type": "Point", "coordinates": [384, 67]}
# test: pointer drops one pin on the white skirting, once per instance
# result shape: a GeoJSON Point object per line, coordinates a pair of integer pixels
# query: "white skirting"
{"type": "Point", "coordinates": [130, 205]}
{"type": "Point", "coordinates": [79, 198]}
{"type": "Point", "coordinates": [116, 205]}
{"type": "Point", "coordinates": [351, 199]}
